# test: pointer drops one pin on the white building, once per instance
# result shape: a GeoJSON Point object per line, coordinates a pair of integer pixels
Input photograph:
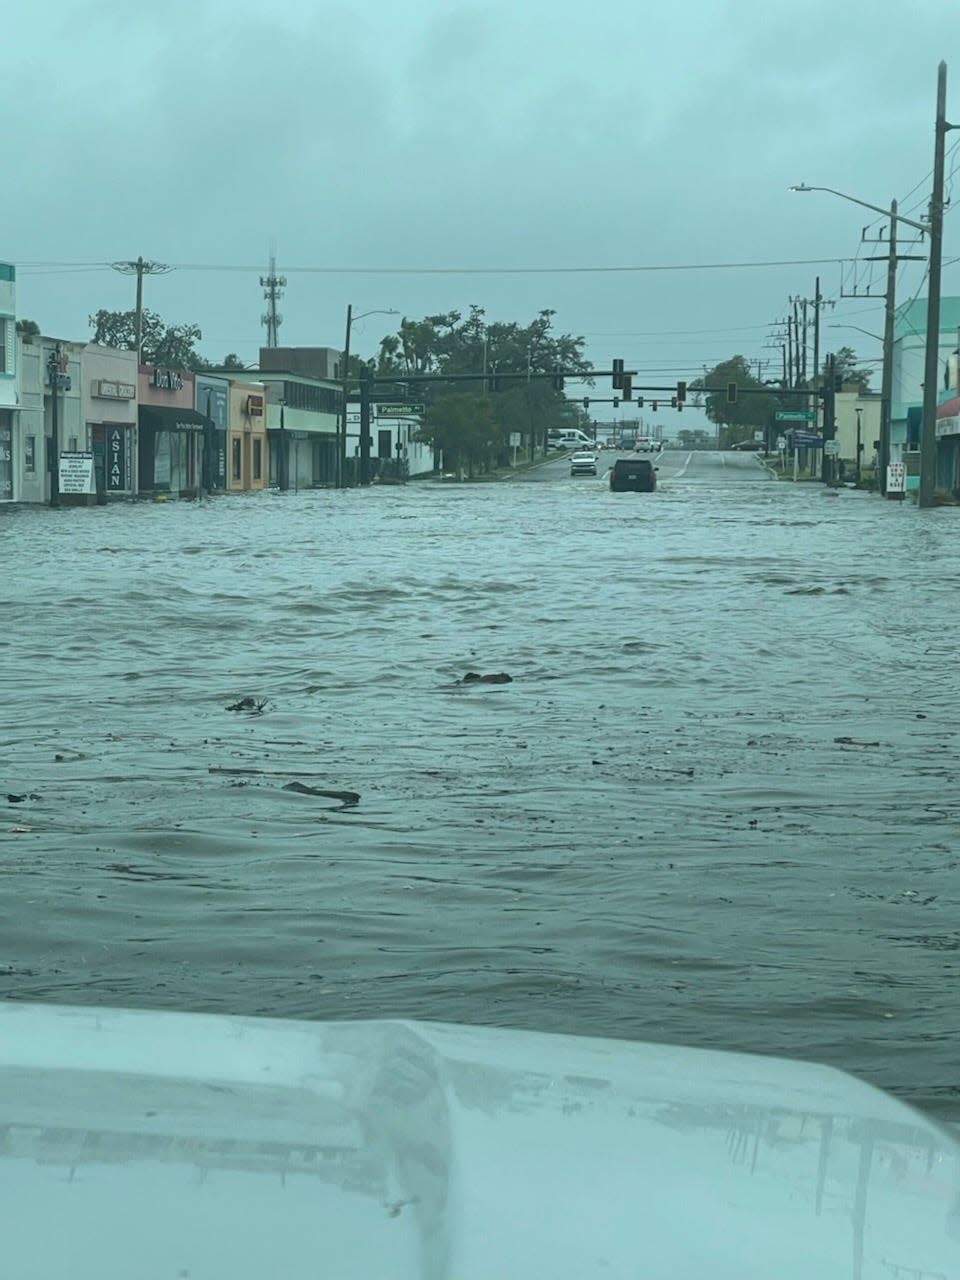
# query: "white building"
{"type": "Point", "coordinates": [9, 400]}
{"type": "Point", "coordinates": [35, 453]}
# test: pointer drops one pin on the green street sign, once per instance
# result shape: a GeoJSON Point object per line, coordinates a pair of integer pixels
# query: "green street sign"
{"type": "Point", "coordinates": [796, 415]}
{"type": "Point", "coordinates": [398, 410]}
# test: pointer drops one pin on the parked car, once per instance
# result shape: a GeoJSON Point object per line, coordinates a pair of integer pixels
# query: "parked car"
{"type": "Point", "coordinates": [636, 475]}
{"type": "Point", "coordinates": [583, 464]}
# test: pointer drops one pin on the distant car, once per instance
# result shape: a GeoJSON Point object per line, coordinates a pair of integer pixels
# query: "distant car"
{"type": "Point", "coordinates": [646, 444]}
{"type": "Point", "coordinates": [749, 446]}
{"type": "Point", "coordinates": [637, 475]}
{"type": "Point", "coordinates": [583, 464]}
{"type": "Point", "coordinates": [628, 439]}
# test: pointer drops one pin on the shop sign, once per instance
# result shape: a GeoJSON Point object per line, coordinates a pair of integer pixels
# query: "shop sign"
{"type": "Point", "coordinates": [948, 426]}
{"type": "Point", "coordinates": [111, 390]}
{"type": "Point", "coordinates": [167, 380]}
{"type": "Point", "coordinates": [76, 473]}
{"type": "Point", "coordinates": [116, 460]}
{"type": "Point", "coordinates": [254, 406]}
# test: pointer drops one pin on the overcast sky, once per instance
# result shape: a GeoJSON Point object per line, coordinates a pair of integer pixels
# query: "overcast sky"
{"type": "Point", "coordinates": [428, 135]}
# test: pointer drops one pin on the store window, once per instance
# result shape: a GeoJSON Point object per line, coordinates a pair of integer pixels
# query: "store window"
{"type": "Point", "coordinates": [30, 453]}
{"type": "Point", "coordinates": [257, 459]}
{"type": "Point", "coordinates": [237, 474]}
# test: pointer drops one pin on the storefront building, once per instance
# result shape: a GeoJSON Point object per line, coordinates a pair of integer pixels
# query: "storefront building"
{"type": "Point", "coordinates": [247, 437]}
{"type": "Point", "coordinates": [212, 401]}
{"type": "Point", "coordinates": [109, 403]}
{"type": "Point", "coordinates": [171, 433]}
{"type": "Point", "coordinates": [50, 382]}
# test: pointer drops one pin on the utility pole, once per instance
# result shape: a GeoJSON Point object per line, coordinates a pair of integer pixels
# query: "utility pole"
{"type": "Point", "coordinates": [886, 377]}
{"type": "Point", "coordinates": [931, 378]}
{"type": "Point", "coordinates": [273, 286]}
{"type": "Point", "coordinates": [803, 363]}
{"type": "Point", "coordinates": [140, 268]}
{"type": "Point", "coordinates": [365, 426]}
{"type": "Point", "coordinates": [341, 475]}
{"type": "Point", "coordinates": [789, 379]}
{"type": "Point", "coordinates": [796, 341]}
{"type": "Point", "coordinates": [55, 379]}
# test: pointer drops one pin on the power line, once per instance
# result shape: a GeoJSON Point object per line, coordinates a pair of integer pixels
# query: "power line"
{"type": "Point", "coordinates": [462, 271]}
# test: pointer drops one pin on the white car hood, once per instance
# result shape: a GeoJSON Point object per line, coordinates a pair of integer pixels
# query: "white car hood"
{"type": "Point", "coordinates": [194, 1147]}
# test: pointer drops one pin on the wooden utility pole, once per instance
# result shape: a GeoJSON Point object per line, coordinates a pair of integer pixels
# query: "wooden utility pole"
{"type": "Point", "coordinates": [931, 371]}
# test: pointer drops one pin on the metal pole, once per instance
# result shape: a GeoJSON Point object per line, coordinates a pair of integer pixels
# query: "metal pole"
{"type": "Point", "coordinates": [365, 426]}
{"type": "Point", "coordinates": [859, 445]}
{"type": "Point", "coordinates": [139, 266]}
{"type": "Point", "coordinates": [53, 373]}
{"type": "Point", "coordinates": [931, 379]}
{"type": "Point", "coordinates": [886, 377]}
{"type": "Point", "coordinates": [816, 365]}
{"type": "Point", "coordinates": [341, 478]}
{"type": "Point", "coordinates": [283, 471]}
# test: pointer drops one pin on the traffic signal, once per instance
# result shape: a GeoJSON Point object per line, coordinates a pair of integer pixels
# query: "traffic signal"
{"type": "Point", "coordinates": [617, 374]}
{"type": "Point", "coordinates": [674, 402]}
{"type": "Point", "coordinates": [639, 402]}
{"type": "Point", "coordinates": [679, 405]}
{"type": "Point", "coordinates": [627, 385]}
{"type": "Point", "coordinates": [681, 392]}
{"type": "Point", "coordinates": [731, 393]}
{"type": "Point", "coordinates": [654, 406]}
{"type": "Point", "coordinates": [616, 401]}
{"type": "Point", "coordinates": [558, 380]}
{"type": "Point", "coordinates": [586, 402]}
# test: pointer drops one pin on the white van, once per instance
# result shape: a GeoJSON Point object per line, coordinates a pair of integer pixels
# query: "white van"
{"type": "Point", "coordinates": [571, 439]}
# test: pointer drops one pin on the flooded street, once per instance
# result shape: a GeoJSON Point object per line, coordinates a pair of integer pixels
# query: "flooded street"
{"type": "Point", "coordinates": [715, 805]}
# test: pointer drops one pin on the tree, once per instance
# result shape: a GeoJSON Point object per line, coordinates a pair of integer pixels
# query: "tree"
{"type": "Point", "coordinates": [172, 346]}
{"type": "Point", "coordinates": [846, 370]}
{"type": "Point", "coordinates": [464, 427]}
{"type": "Point", "coordinates": [28, 328]}
{"type": "Point", "coordinates": [739, 420]}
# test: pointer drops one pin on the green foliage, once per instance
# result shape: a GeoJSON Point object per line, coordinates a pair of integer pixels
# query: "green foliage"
{"type": "Point", "coordinates": [464, 427]}
{"type": "Point", "coordinates": [846, 370]}
{"type": "Point", "coordinates": [28, 328]}
{"type": "Point", "coordinates": [169, 346]}
{"type": "Point", "coordinates": [737, 421]}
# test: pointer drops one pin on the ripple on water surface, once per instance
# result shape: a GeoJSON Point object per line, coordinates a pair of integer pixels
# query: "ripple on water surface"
{"type": "Point", "coordinates": [713, 806]}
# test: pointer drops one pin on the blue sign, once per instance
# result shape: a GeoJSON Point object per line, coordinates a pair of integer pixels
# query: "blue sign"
{"type": "Point", "coordinates": [806, 440]}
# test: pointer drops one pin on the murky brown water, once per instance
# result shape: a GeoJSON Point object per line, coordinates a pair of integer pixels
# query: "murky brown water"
{"type": "Point", "coordinates": [715, 806]}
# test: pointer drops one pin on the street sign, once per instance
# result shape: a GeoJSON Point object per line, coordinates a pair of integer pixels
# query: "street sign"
{"type": "Point", "coordinates": [781, 443]}
{"type": "Point", "coordinates": [896, 477]}
{"type": "Point", "coordinates": [807, 440]}
{"type": "Point", "coordinates": [515, 439]}
{"type": "Point", "coordinates": [795, 415]}
{"type": "Point", "coordinates": [398, 410]}
{"type": "Point", "coordinates": [758, 437]}
{"type": "Point", "coordinates": [832, 448]}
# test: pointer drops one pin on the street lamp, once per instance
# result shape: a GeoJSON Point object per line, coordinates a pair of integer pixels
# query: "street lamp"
{"type": "Point", "coordinates": [886, 382]}
{"type": "Point", "coordinates": [340, 477]}
{"type": "Point", "coordinates": [859, 445]}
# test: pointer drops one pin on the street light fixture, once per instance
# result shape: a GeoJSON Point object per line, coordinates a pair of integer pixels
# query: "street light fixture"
{"type": "Point", "coordinates": [340, 478]}
{"type": "Point", "coordinates": [886, 381]}
{"type": "Point", "coordinates": [934, 229]}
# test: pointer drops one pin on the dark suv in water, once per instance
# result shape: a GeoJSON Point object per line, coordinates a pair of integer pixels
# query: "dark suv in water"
{"type": "Point", "coordinates": [638, 475]}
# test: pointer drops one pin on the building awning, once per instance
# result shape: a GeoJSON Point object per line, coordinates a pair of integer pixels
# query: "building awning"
{"type": "Point", "coordinates": [950, 408]}
{"type": "Point", "coordinates": [168, 418]}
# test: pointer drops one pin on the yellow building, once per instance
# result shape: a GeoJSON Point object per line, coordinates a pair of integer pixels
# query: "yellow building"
{"type": "Point", "coordinates": [247, 437]}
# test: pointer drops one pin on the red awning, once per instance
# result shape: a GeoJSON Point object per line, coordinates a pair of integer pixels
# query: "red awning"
{"type": "Point", "coordinates": [950, 408]}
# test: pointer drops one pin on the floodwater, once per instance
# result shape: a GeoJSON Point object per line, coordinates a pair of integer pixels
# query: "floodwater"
{"type": "Point", "coordinates": [715, 806]}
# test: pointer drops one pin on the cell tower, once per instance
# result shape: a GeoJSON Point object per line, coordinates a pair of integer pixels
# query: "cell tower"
{"type": "Point", "coordinates": [273, 287]}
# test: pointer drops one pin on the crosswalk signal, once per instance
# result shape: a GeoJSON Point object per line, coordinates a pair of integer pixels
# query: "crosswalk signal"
{"type": "Point", "coordinates": [627, 386]}
{"type": "Point", "coordinates": [617, 379]}
{"type": "Point", "coordinates": [731, 393]}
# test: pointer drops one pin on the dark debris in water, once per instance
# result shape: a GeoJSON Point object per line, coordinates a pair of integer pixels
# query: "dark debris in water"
{"type": "Point", "coordinates": [345, 797]}
{"type": "Point", "coordinates": [19, 799]}
{"type": "Point", "coordinates": [496, 677]}
{"type": "Point", "coordinates": [855, 742]}
{"type": "Point", "coordinates": [252, 706]}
